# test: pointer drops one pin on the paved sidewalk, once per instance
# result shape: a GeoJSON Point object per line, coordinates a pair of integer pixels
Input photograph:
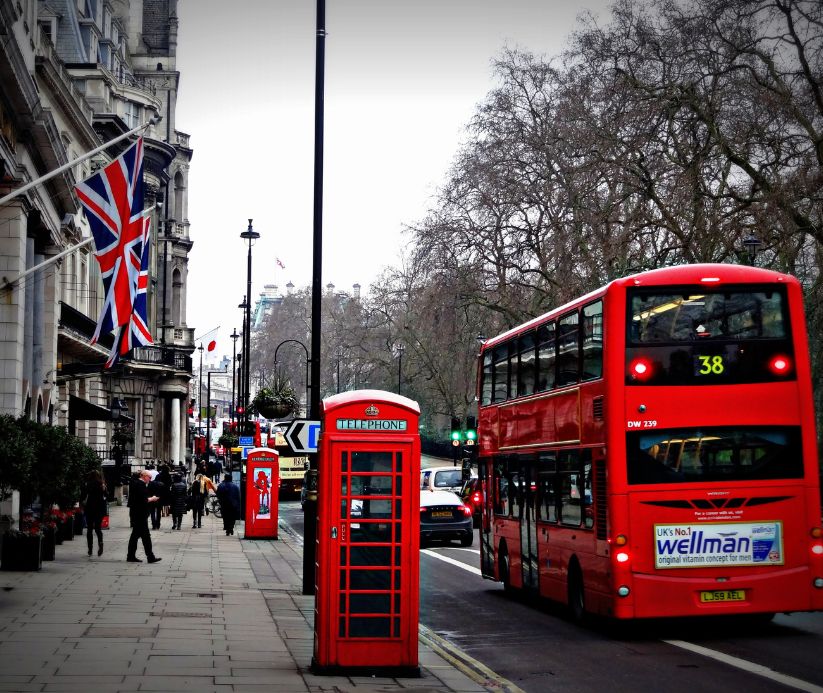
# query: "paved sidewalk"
{"type": "Point", "coordinates": [217, 613]}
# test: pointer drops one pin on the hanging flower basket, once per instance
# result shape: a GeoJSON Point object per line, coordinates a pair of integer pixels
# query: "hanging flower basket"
{"type": "Point", "coordinates": [275, 411]}
{"type": "Point", "coordinates": [275, 402]}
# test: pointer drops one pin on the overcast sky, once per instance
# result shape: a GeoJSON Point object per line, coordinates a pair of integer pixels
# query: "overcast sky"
{"type": "Point", "coordinates": [403, 78]}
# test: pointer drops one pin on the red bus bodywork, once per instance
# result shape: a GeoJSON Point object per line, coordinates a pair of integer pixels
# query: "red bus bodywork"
{"type": "Point", "coordinates": [568, 446]}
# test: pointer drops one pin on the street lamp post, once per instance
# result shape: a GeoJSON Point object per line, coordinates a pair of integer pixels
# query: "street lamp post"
{"type": "Point", "coordinates": [308, 361]}
{"type": "Point", "coordinates": [751, 244]}
{"type": "Point", "coordinates": [250, 235]}
{"type": "Point", "coordinates": [200, 391]}
{"type": "Point", "coordinates": [241, 360]}
{"type": "Point", "coordinates": [400, 350]}
{"type": "Point", "coordinates": [208, 413]}
{"type": "Point", "coordinates": [339, 356]}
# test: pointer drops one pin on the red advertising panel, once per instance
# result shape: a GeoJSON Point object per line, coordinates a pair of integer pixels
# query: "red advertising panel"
{"type": "Point", "coordinates": [368, 532]}
{"type": "Point", "coordinates": [262, 482]}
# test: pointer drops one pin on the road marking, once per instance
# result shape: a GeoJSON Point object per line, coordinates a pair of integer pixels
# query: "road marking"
{"type": "Point", "coordinates": [751, 667]}
{"type": "Point", "coordinates": [446, 559]}
{"type": "Point", "coordinates": [478, 672]}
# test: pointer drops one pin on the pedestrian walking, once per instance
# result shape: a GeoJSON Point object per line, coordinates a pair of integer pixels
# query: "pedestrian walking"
{"type": "Point", "coordinates": [95, 507]}
{"type": "Point", "coordinates": [158, 489]}
{"type": "Point", "coordinates": [229, 496]}
{"type": "Point", "coordinates": [200, 488]}
{"type": "Point", "coordinates": [165, 497]}
{"type": "Point", "coordinates": [178, 499]}
{"type": "Point", "coordinates": [139, 503]}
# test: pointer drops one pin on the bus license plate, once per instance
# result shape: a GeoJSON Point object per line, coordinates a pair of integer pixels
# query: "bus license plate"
{"type": "Point", "coordinates": [723, 596]}
{"type": "Point", "coordinates": [442, 514]}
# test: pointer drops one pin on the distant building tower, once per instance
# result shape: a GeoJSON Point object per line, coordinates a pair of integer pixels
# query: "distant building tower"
{"type": "Point", "coordinates": [355, 290]}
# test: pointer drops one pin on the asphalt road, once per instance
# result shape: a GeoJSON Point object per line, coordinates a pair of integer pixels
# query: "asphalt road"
{"type": "Point", "coordinates": [537, 649]}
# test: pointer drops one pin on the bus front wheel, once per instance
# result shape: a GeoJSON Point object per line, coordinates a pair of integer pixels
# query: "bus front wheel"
{"type": "Point", "coordinates": [577, 603]}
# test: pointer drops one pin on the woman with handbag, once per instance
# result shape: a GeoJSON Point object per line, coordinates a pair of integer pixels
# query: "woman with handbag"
{"type": "Point", "coordinates": [95, 507]}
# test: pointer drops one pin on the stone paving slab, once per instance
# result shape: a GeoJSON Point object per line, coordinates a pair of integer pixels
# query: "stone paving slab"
{"type": "Point", "coordinates": [216, 614]}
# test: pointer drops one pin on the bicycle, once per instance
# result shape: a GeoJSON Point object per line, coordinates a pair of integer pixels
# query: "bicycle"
{"type": "Point", "coordinates": [213, 506]}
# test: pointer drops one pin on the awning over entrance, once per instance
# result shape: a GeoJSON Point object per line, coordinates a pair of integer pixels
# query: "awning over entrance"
{"type": "Point", "coordinates": [81, 410]}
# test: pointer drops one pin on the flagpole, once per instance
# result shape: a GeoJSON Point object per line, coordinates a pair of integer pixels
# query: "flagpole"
{"type": "Point", "coordinates": [42, 179]}
{"type": "Point", "coordinates": [8, 283]}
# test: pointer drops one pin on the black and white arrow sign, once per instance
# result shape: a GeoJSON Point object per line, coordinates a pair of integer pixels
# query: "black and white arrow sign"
{"type": "Point", "coordinates": [302, 436]}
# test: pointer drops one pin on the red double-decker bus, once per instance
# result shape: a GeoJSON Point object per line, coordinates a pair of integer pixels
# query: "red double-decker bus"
{"type": "Point", "coordinates": [649, 450]}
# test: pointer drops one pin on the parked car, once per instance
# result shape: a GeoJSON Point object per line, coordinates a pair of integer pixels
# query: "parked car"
{"type": "Point", "coordinates": [471, 494]}
{"type": "Point", "coordinates": [444, 516]}
{"type": "Point", "coordinates": [442, 479]}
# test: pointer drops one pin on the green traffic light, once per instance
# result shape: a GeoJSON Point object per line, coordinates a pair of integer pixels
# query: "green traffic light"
{"type": "Point", "coordinates": [455, 435]}
{"type": "Point", "coordinates": [471, 435]}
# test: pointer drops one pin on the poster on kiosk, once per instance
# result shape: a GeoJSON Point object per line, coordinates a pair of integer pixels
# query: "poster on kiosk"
{"type": "Point", "coordinates": [262, 483]}
{"type": "Point", "coordinates": [368, 534]}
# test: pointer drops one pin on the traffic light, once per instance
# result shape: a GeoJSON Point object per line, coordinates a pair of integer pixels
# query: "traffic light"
{"type": "Point", "coordinates": [471, 430]}
{"type": "Point", "coordinates": [456, 436]}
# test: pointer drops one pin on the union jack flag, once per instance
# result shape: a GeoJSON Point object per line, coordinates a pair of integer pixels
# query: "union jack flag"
{"type": "Point", "coordinates": [113, 202]}
{"type": "Point", "coordinates": [137, 333]}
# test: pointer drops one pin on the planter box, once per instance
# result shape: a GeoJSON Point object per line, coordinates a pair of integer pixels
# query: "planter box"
{"type": "Point", "coordinates": [21, 552]}
{"type": "Point", "coordinates": [47, 548]}
{"type": "Point", "coordinates": [66, 529]}
{"type": "Point", "coordinates": [79, 522]}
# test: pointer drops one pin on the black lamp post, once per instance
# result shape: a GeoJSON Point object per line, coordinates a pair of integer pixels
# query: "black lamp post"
{"type": "Point", "coordinates": [234, 337]}
{"type": "Point", "coordinates": [751, 244]}
{"type": "Point", "coordinates": [339, 356]}
{"type": "Point", "coordinates": [400, 350]}
{"type": "Point", "coordinates": [249, 235]}
{"type": "Point", "coordinates": [200, 391]}
{"type": "Point", "coordinates": [208, 413]}
{"type": "Point", "coordinates": [240, 358]}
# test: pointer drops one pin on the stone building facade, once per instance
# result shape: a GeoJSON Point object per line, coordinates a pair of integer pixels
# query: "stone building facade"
{"type": "Point", "coordinates": [75, 74]}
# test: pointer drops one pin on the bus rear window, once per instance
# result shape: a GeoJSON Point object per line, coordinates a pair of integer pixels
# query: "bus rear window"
{"type": "Point", "coordinates": [708, 337]}
{"type": "Point", "coordinates": [713, 454]}
{"type": "Point", "coordinates": [664, 318]}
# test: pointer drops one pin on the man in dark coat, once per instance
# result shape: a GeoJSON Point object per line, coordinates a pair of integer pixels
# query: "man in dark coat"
{"type": "Point", "coordinates": [139, 504]}
{"type": "Point", "coordinates": [178, 495]}
{"type": "Point", "coordinates": [229, 496]}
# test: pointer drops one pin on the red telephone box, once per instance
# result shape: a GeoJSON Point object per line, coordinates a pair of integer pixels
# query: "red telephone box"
{"type": "Point", "coordinates": [368, 536]}
{"type": "Point", "coordinates": [262, 482]}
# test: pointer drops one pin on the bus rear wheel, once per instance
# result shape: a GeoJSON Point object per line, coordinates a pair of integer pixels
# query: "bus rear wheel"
{"type": "Point", "coordinates": [576, 596]}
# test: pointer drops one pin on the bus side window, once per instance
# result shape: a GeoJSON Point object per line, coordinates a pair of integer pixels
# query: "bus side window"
{"type": "Point", "coordinates": [546, 501]}
{"type": "Point", "coordinates": [501, 496]}
{"type": "Point", "coordinates": [525, 371]}
{"type": "Point", "coordinates": [568, 349]}
{"type": "Point", "coordinates": [593, 340]}
{"type": "Point", "coordinates": [569, 500]}
{"type": "Point", "coordinates": [488, 380]}
{"type": "Point", "coordinates": [546, 358]}
{"type": "Point", "coordinates": [515, 495]}
{"type": "Point", "coordinates": [501, 378]}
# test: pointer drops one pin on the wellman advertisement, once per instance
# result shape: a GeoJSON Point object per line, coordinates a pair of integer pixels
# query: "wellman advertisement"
{"type": "Point", "coordinates": [715, 544]}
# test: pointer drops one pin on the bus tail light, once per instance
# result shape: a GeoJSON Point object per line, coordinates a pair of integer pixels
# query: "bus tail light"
{"type": "Point", "coordinates": [816, 532]}
{"type": "Point", "coordinates": [623, 591]}
{"type": "Point", "coordinates": [621, 540]}
{"type": "Point", "coordinates": [622, 556]}
{"type": "Point", "coordinates": [780, 365]}
{"type": "Point", "coordinates": [640, 369]}
{"type": "Point", "coordinates": [818, 582]}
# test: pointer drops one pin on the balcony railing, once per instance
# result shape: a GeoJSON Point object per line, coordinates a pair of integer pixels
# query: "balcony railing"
{"type": "Point", "coordinates": [162, 357]}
